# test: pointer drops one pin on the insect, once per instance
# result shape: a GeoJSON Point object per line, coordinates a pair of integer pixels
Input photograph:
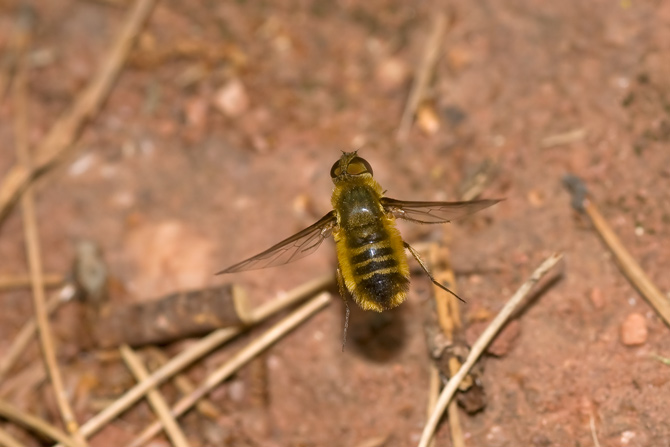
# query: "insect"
{"type": "Point", "coordinates": [372, 266]}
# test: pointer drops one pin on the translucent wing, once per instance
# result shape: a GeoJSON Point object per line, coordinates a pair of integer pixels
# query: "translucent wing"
{"type": "Point", "coordinates": [433, 212]}
{"type": "Point", "coordinates": [295, 247]}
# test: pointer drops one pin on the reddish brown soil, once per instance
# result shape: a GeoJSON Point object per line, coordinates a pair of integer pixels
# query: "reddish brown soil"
{"type": "Point", "coordinates": [174, 190]}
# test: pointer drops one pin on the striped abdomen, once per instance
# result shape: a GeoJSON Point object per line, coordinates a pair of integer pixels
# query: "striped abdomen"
{"type": "Point", "coordinates": [374, 265]}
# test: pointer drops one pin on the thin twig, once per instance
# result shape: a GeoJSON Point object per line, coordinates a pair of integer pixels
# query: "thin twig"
{"type": "Point", "coordinates": [240, 359]}
{"type": "Point", "coordinates": [27, 379]}
{"type": "Point", "coordinates": [65, 131]}
{"type": "Point", "coordinates": [448, 313]}
{"type": "Point", "coordinates": [156, 400]}
{"type": "Point", "coordinates": [201, 348]}
{"type": "Point", "coordinates": [292, 297]}
{"type": "Point", "coordinates": [449, 318]}
{"type": "Point", "coordinates": [594, 434]}
{"type": "Point", "coordinates": [563, 138]}
{"type": "Point", "coordinates": [10, 412]}
{"type": "Point", "coordinates": [423, 74]}
{"type": "Point", "coordinates": [434, 383]}
{"type": "Point", "coordinates": [630, 268]}
{"type": "Point", "coordinates": [19, 282]}
{"type": "Point", "coordinates": [205, 406]}
{"type": "Point", "coordinates": [24, 337]}
{"type": "Point", "coordinates": [6, 439]}
{"type": "Point", "coordinates": [664, 360]}
{"type": "Point", "coordinates": [480, 345]}
{"type": "Point", "coordinates": [457, 436]}
{"type": "Point", "coordinates": [32, 239]}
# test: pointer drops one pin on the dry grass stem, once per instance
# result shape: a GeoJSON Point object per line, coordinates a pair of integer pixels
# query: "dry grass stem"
{"type": "Point", "coordinates": [434, 383]}
{"type": "Point", "coordinates": [28, 378]}
{"type": "Point", "coordinates": [423, 74]}
{"type": "Point", "coordinates": [156, 400]}
{"type": "Point", "coordinates": [480, 345]}
{"type": "Point", "coordinates": [175, 365]}
{"type": "Point", "coordinates": [563, 138]}
{"type": "Point", "coordinates": [11, 413]}
{"type": "Point", "coordinates": [240, 359]}
{"type": "Point", "coordinates": [628, 265]}
{"type": "Point", "coordinates": [6, 439]}
{"type": "Point", "coordinates": [205, 406]}
{"type": "Point", "coordinates": [630, 268]}
{"type": "Point", "coordinates": [447, 307]}
{"type": "Point", "coordinates": [292, 297]}
{"type": "Point", "coordinates": [23, 338]}
{"type": "Point", "coordinates": [19, 282]}
{"type": "Point", "coordinates": [457, 437]}
{"type": "Point", "coordinates": [64, 131]}
{"type": "Point", "coordinates": [199, 350]}
{"type": "Point", "coordinates": [664, 360]}
{"type": "Point", "coordinates": [32, 238]}
{"type": "Point", "coordinates": [594, 434]}
{"type": "Point", "coordinates": [449, 318]}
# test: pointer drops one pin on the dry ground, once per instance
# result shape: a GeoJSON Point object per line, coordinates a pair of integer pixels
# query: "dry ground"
{"type": "Point", "coordinates": [216, 143]}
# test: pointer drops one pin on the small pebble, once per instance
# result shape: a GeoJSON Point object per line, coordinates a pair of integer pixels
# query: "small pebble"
{"type": "Point", "coordinates": [536, 198]}
{"type": "Point", "coordinates": [392, 74]}
{"type": "Point", "coordinates": [232, 99]}
{"type": "Point", "coordinates": [596, 297]}
{"type": "Point", "coordinates": [82, 164]}
{"type": "Point", "coordinates": [427, 119]}
{"type": "Point", "coordinates": [634, 330]}
{"type": "Point", "coordinates": [627, 436]}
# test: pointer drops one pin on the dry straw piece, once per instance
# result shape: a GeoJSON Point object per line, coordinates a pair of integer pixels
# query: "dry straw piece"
{"type": "Point", "coordinates": [10, 412]}
{"type": "Point", "coordinates": [19, 282]}
{"type": "Point", "coordinates": [240, 359]}
{"type": "Point", "coordinates": [423, 74]}
{"type": "Point", "coordinates": [201, 348]}
{"type": "Point", "coordinates": [630, 268]}
{"type": "Point", "coordinates": [156, 400]}
{"type": "Point", "coordinates": [8, 440]}
{"type": "Point", "coordinates": [30, 228]}
{"type": "Point", "coordinates": [24, 337]}
{"type": "Point", "coordinates": [65, 131]}
{"type": "Point", "coordinates": [480, 345]}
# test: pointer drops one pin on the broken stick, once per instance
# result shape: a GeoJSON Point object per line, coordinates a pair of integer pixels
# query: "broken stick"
{"type": "Point", "coordinates": [480, 345]}
{"type": "Point", "coordinates": [630, 268]}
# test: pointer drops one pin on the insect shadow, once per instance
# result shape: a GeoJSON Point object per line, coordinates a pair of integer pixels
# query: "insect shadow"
{"type": "Point", "coordinates": [377, 336]}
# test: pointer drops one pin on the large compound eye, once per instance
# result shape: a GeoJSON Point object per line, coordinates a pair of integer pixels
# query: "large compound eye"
{"type": "Point", "coordinates": [358, 166]}
{"type": "Point", "coordinates": [336, 171]}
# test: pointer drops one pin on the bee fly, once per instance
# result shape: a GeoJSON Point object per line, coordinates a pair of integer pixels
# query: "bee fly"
{"type": "Point", "coordinates": [373, 267]}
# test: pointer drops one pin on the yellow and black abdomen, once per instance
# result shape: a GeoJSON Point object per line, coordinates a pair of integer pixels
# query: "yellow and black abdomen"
{"type": "Point", "coordinates": [369, 247]}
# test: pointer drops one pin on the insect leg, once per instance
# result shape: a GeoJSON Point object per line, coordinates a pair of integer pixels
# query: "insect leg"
{"type": "Point", "coordinates": [343, 293]}
{"type": "Point", "coordinates": [425, 269]}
